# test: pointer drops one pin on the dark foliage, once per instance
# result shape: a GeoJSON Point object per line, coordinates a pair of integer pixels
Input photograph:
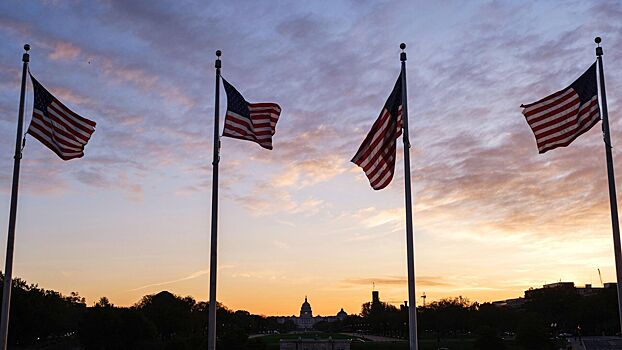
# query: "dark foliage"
{"type": "Point", "coordinates": [488, 339]}
{"type": "Point", "coordinates": [41, 315]}
{"type": "Point", "coordinates": [166, 321]}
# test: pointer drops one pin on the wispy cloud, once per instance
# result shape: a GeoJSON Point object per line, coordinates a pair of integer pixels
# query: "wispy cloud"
{"type": "Point", "coordinates": [191, 276]}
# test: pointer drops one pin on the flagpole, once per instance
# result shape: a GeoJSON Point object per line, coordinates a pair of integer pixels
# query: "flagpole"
{"type": "Point", "coordinates": [613, 202]}
{"type": "Point", "coordinates": [8, 269]}
{"type": "Point", "coordinates": [211, 325]}
{"type": "Point", "coordinates": [412, 310]}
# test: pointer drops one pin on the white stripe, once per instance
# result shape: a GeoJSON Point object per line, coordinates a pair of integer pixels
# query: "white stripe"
{"type": "Point", "coordinates": [60, 126]}
{"type": "Point", "coordinates": [260, 113]}
{"type": "Point", "coordinates": [235, 133]}
{"type": "Point", "coordinates": [573, 111]}
{"type": "Point", "coordinates": [564, 140]}
{"type": "Point", "coordinates": [40, 131]}
{"type": "Point", "coordinates": [384, 178]}
{"type": "Point", "coordinates": [381, 169]}
{"type": "Point", "coordinates": [261, 121]}
{"type": "Point", "coordinates": [378, 147]}
{"type": "Point", "coordinates": [571, 129]}
{"type": "Point", "coordinates": [232, 122]}
{"type": "Point", "coordinates": [242, 123]}
{"type": "Point", "coordinates": [69, 115]}
{"type": "Point", "coordinates": [272, 118]}
{"type": "Point", "coordinates": [42, 135]}
{"type": "Point", "coordinates": [250, 138]}
{"type": "Point", "coordinates": [73, 128]}
{"type": "Point", "coordinates": [238, 119]}
{"type": "Point", "coordinates": [547, 101]}
{"type": "Point", "coordinates": [263, 108]}
{"type": "Point", "coordinates": [570, 101]}
{"type": "Point", "coordinates": [41, 124]}
{"type": "Point", "coordinates": [379, 134]}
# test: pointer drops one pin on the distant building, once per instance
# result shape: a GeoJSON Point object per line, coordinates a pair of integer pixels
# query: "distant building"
{"type": "Point", "coordinates": [375, 297]}
{"type": "Point", "coordinates": [587, 290]}
{"type": "Point", "coordinates": [306, 320]}
{"type": "Point", "coordinates": [515, 303]}
{"type": "Point", "coordinates": [315, 344]}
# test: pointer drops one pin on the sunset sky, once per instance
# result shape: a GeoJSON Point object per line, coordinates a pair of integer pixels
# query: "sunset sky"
{"type": "Point", "coordinates": [492, 217]}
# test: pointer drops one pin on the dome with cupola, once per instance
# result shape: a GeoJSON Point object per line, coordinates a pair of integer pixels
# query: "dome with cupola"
{"type": "Point", "coordinates": [305, 309]}
{"type": "Point", "coordinates": [341, 315]}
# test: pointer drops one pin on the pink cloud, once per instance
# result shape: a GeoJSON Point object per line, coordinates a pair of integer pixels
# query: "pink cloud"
{"type": "Point", "coordinates": [64, 51]}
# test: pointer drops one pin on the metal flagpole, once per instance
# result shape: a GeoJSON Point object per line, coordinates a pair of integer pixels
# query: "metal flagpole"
{"type": "Point", "coordinates": [412, 299]}
{"type": "Point", "coordinates": [211, 326]}
{"type": "Point", "coordinates": [613, 202]}
{"type": "Point", "coordinates": [8, 269]}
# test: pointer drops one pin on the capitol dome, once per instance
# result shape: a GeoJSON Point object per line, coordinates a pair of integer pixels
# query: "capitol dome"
{"type": "Point", "coordinates": [305, 309]}
{"type": "Point", "coordinates": [341, 315]}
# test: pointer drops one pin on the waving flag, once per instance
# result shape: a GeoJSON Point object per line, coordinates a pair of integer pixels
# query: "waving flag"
{"type": "Point", "coordinates": [57, 127]}
{"type": "Point", "coordinates": [560, 118]}
{"type": "Point", "coordinates": [377, 153]}
{"type": "Point", "coordinates": [249, 121]}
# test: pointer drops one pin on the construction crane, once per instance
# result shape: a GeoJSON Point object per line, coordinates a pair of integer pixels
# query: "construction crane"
{"type": "Point", "coordinates": [601, 278]}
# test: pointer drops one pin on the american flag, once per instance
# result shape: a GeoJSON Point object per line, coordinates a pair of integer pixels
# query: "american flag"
{"type": "Point", "coordinates": [377, 153]}
{"type": "Point", "coordinates": [558, 119]}
{"type": "Point", "coordinates": [56, 126]}
{"type": "Point", "coordinates": [249, 121]}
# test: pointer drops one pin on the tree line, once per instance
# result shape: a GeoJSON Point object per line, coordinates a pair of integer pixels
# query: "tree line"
{"type": "Point", "coordinates": [541, 320]}
{"type": "Point", "coordinates": [46, 319]}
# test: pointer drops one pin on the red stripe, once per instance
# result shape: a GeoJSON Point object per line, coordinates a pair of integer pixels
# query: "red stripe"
{"type": "Point", "coordinates": [246, 133]}
{"type": "Point", "coordinates": [263, 125]}
{"type": "Point", "coordinates": [53, 148]}
{"type": "Point", "coordinates": [258, 113]}
{"type": "Point", "coordinates": [385, 142]}
{"type": "Point", "coordinates": [62, 146]}
{"type": "Point", "coordinates": [84, 139]}
{"type": "Point", "coordinates": [239, 131]}
{"type": "Point", "coordinates": [264, 110]}
{"type": "Point", "coordinates": [48, 123]}
{"type": "Point", "coordinates": [560, 106]}
{"type": "Point", "coordinates": [594, 122]}
{"type": "Point", "coordinates": [263, 116]}
{"type": "Point", "coordinates": [567, 115]}
{"type": "Point", "coordinates": [382, 163]}
{"type": "Point", "coordinates": [265, 104]}
{"type": "Point", "coordinates": [549, 97]}
{"type": "Point", "coordinates": [256, 134]}
{"type": "Point", "coordinates": [381, 172]}
{"type": "Point", "coordinates": [67, 120]}
{"type": "Point", "coordinates": [572, 119]}
{"type": "Point", "coordinates": [386, 183]}
{"type": "Point", "coordinates": [80, 118]}
{"type": "Point", "coordinates": [369, 144]}
{"type": "Point", "coordinates": [266, 145]}
{"type": "Point", "coordinates": [381, 155]}
{"type": "Point", "coordinates": [577, 132]}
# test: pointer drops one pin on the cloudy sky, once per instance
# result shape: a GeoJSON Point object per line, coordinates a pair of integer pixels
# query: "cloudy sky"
{"type": "Point", "coordinates": [492, 217]}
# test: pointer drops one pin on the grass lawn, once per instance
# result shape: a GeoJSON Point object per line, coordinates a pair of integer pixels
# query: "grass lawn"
{"type": "Point", "coordinates": [272, 342]}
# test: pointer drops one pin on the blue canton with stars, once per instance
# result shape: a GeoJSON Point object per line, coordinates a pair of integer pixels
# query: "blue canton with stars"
{"type": "Point", "coordinates": [42, 97]}
{"type": "Point", "coordinates": [235, 102]}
